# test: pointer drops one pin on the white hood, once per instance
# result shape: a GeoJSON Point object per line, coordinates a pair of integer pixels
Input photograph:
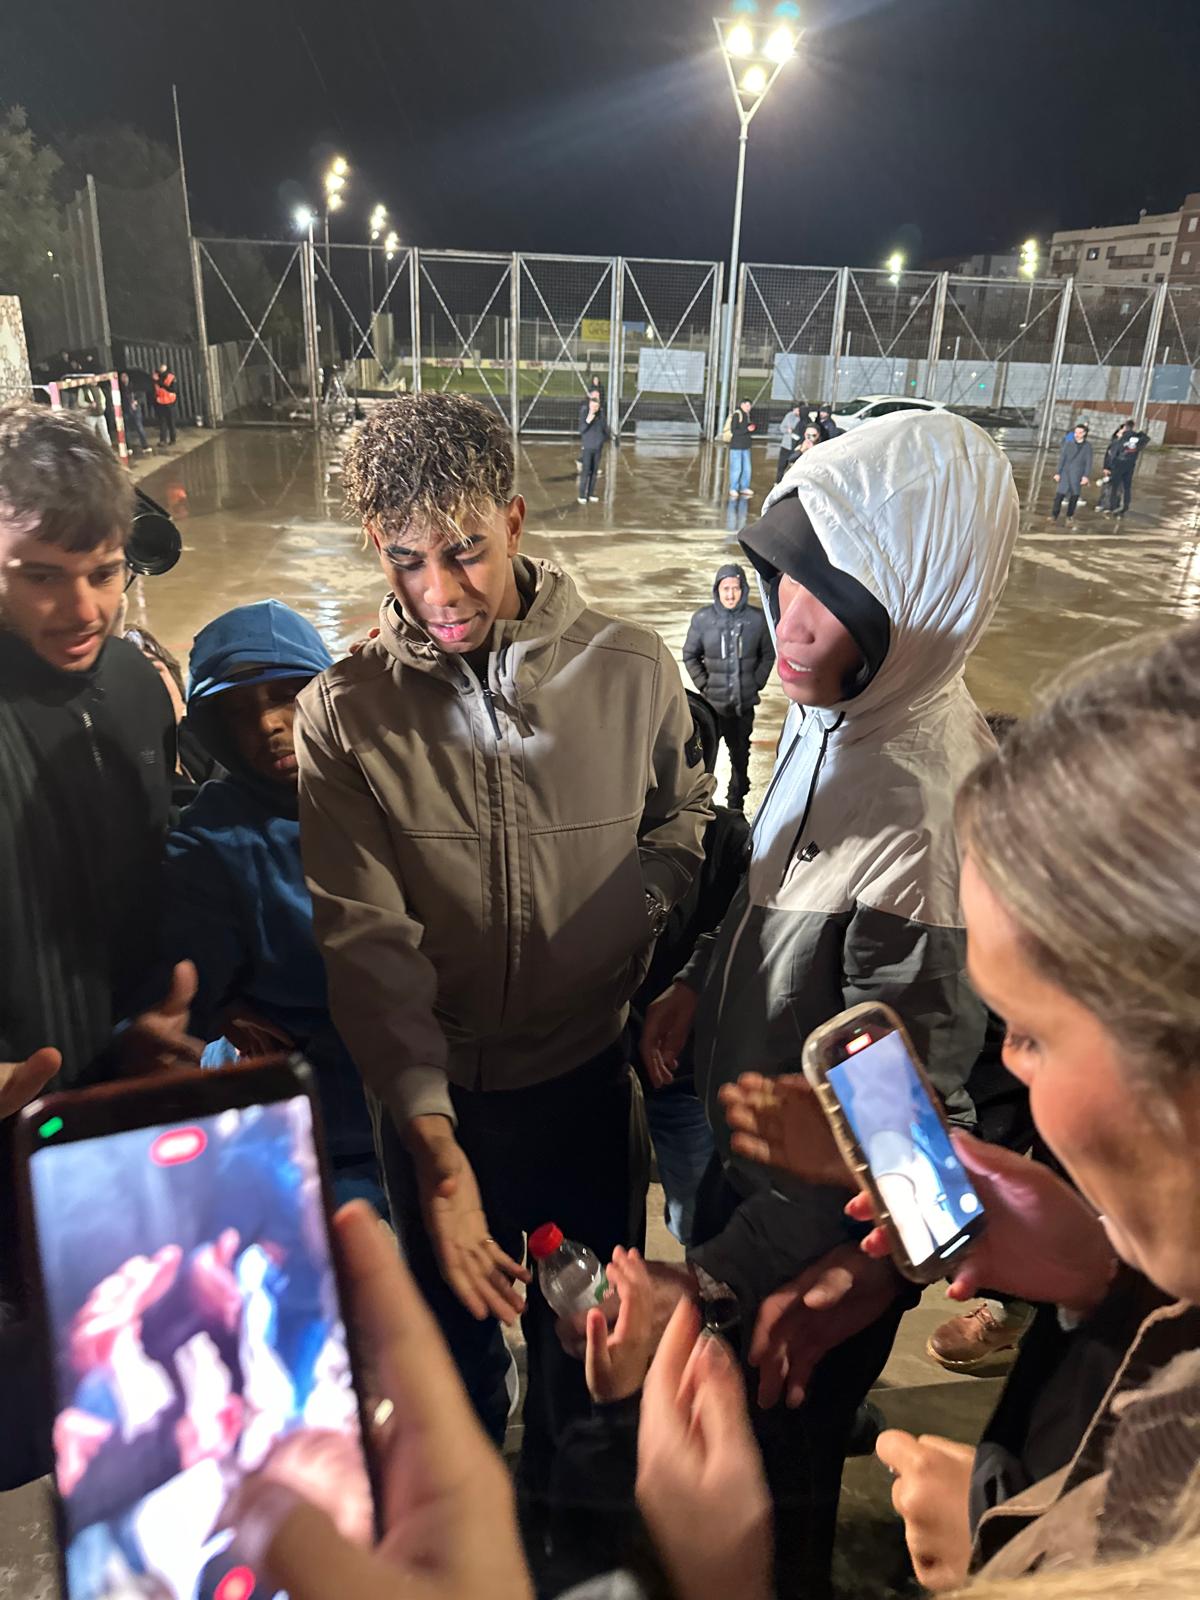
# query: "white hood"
{"type": "Point", "coordinates": [922, 510]}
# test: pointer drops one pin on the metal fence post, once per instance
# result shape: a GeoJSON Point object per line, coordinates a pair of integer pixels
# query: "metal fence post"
{"type": "Point", "coordinates": [733, 363]}
{"type": "Point", "coordinates": [839, 330]}
{"type": "Point", "coordinates": [935, 333]}
{"type": "Point", "coordinates": [616, 376]}
{"type": "Point", "coordinates": [1153, 334]}
{"type": "Point", "coordinates": [101, 290]}
{"type": "Point", "coordinates": [514, 312]}
{"type": "Point", "coordinates": [308, 291]}
{"type": "Point", "coordinates": [210, 408]}
{"type": "Point", "coordinates": [1056, 355]}
{"type": "Point", "coordinates": [414, 312]}
{"type": "Point", "coordinates": [714, 351]}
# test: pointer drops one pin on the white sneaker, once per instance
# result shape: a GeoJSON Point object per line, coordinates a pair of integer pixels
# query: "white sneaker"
{"type": "Point", "coordinates": [594, 498]}
{"type": "Point", "coordinates": [583, 499]}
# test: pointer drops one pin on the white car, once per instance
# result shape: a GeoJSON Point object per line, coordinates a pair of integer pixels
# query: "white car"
{"type": "Point", "coordinates": [880, 405]}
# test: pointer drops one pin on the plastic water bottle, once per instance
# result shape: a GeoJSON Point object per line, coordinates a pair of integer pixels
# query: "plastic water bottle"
{"type": "Point", "coordinates": [570, 1276]}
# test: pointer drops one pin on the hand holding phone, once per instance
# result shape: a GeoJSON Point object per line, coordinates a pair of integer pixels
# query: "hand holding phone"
{"type": "Point", "coordinates": [1043, 1243]}
{"type": "Point", "coordinates": [887, 1121]}
{"type": "Point", "coordinates": [189, 1300]}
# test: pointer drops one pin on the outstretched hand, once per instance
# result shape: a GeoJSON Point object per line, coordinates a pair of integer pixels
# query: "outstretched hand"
{"type": "Point", "coordinates": [158, 1039]}
{"type": "Point", "coordinates": [482, 1275]}
{"type": "Point", "coordinates": [22, 1081]}
{"type": "Point", "coordinates": [779, 1122]}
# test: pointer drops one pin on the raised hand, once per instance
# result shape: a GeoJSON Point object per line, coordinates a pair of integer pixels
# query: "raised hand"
{"type": "Point", "coordinates": [931, 1492]}
{"type": "Point", "coordinates": [617, 1359]}
{"type": "Point", "coordinates": [779, 1122]}
{"type": "Point", "coordinates": [700, 1482]}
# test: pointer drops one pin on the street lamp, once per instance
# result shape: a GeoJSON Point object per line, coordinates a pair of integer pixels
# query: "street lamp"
{"type": "Point", "coordinates": [895, 265]}
{"type": "Point", "coordinates": [334, 182]}
{"type": "Point", "coordinates": [1028, 269]}
{"type": "Point", "coordinates": [754, 56]}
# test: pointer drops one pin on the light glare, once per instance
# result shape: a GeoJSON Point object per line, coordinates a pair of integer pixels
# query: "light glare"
{"type": "Point", "coordinates": [781, 46]}
{"type": "Point", "coordinates": [755, 80]}
{"type": "Point", "coordinates": [739, 41]}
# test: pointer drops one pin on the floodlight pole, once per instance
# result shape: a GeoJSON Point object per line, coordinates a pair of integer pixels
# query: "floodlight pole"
{"type": "Point", "coordinates": [745, 115]}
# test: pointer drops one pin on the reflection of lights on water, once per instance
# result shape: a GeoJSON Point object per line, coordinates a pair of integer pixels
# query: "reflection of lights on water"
{"type": "Point", "coordinates": [969, 1203]}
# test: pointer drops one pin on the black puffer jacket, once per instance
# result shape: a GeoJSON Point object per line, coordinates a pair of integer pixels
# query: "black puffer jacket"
{"type": "Point", "coordinates": [728, 654]}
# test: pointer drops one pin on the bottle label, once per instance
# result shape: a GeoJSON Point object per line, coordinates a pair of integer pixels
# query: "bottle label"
{"type": "Point", "coordinates": [600, 1292]}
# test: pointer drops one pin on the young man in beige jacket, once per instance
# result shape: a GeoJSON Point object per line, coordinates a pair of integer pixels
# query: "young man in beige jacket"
{"type": "Point", "coordinates": [501, 797]}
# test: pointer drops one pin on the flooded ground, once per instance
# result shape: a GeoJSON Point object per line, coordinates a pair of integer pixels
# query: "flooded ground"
{"type": "Point", "coordinates": [261, 516]}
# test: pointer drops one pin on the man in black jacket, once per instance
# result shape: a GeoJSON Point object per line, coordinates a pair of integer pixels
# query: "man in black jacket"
{"type": "Point", "coordinates": [1120, 462]}
{"type": "Point", "coordinates": [593, 436]}
{"type": "Point", "coordinates": [87, 748]}
{"type": "Point", "coordinates": [729, 656]}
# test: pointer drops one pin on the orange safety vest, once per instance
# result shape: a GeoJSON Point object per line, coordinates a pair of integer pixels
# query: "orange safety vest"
{"type": "Point", "coordinates": [165, 397]}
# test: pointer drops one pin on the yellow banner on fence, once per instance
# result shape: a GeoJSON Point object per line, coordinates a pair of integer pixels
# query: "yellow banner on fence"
{"type": "Point", "coordinates": [596, 330]}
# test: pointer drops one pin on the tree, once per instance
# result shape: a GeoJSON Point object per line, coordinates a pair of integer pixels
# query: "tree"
{"type": "Point", "coordinates": [29, 226]}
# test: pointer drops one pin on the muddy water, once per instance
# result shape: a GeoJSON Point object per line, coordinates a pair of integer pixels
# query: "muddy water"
{"type": "Point", "coordinates": [261, 515]}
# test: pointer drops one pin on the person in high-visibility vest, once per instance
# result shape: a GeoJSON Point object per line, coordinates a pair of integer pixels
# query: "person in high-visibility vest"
{"type": "Point", "coordinates": [165, 399]}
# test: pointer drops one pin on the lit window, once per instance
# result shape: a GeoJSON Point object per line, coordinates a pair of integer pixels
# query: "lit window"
{"type": "Point", "coordinates": [1094, 253]}
{"type": "Point", "coordinates": [1185, 260]}
{"type": "Point", "coordinates": [1192, 221]}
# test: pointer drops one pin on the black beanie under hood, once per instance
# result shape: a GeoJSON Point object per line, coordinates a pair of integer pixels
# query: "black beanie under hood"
{"type": "Point", "coordinates": [785, 541]}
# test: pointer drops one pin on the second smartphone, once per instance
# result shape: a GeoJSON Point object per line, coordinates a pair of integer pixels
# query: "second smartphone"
{"type": "Point", "coordinates": [890, 1128]}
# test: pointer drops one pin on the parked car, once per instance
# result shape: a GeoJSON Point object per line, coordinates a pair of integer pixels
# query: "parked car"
{"type": "Point", "coordinates": [867, 409]}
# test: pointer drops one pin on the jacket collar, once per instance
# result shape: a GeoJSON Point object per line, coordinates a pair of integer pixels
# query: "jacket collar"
{"type": "Point", "coordinates": [23, 672]}
{"type": "Point", "coordinates": [527, 643]}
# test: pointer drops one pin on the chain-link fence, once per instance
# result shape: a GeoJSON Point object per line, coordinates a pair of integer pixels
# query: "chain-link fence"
{"type": "Point", "coordinates": [287, 324]}
{"type": "Point", "coordinates": [465, 334]}
{"type": "Point", "coordinates": [565, 320]}
{"type": "Point", "coordinates": [667, 356]}
{"type": "Point", "coordinates": [257, 322]}
{"type": "Point", "coordinates": [785, 338]}
{"type": "Point", "coordinates": [996, 347]}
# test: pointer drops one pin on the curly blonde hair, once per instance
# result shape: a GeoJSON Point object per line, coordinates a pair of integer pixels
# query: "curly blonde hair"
{"type": "Point", "coordinates": [426, 466]}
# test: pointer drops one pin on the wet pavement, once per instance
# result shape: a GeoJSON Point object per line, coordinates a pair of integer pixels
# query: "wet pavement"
{"type": "Point", "coordinates": [261, 515]}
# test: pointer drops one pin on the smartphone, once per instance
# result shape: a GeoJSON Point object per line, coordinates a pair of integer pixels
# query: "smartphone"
{"type": "Point", "coordinates": [182, 1271]}
{"type": "Point", "coordinates": [888, 1123]}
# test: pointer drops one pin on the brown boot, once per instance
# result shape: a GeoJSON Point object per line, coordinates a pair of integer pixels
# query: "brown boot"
{"type": "Point", "coordinates": [979, 1337]}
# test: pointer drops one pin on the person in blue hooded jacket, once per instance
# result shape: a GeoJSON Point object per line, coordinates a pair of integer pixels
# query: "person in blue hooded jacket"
{"type": "Point", "coordinates": [238, 903]}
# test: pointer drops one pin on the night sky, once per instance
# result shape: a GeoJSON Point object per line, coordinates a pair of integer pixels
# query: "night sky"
{"type": "Point", "coordinates": [605, 126]}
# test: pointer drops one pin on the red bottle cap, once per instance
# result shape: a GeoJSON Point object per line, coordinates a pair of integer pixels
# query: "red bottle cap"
{"type": "Point", "coordinates": [544, 1241]}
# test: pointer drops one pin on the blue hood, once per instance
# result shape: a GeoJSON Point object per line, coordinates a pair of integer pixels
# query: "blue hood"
{"type": "Point", "coordinates": [267, 635]}
{"type": "Point", "coordinates": [250, 644]}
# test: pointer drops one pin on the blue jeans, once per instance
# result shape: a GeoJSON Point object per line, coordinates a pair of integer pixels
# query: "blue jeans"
{"type": "Point", "coordinates": [683, 1143]}
{"type": "Point", "coordinates": [739, 470]}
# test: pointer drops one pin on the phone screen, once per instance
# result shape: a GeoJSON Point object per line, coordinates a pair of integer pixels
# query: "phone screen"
{"type": "Point", "coordinates": [904, 1143]}
{"type": "Point", "coordinates": [196, 1338]}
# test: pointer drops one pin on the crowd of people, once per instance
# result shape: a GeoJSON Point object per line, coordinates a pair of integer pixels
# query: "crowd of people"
{"type": "Point", "coordinates": [474, 872]}
{"type": "Point", "coordinates": [1074, 472]}
{"type": "Point", "coordinates": [144, 396]}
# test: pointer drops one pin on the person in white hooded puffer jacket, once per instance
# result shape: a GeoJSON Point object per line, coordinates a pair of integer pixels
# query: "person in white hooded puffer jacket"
{"type": "Point", "coordinates": [882, 557]}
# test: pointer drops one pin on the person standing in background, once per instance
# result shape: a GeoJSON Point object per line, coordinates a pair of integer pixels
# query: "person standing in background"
{"type": "Point", "coordinates": [131, 410]}
{"type": "Point", "coordinates": [1120, 461]}
{"type": "Point", "coordinates": [593, 436]}
{"type": "Point", "coordinates": [790, 430]}
{"type": "Point", "coordinates": [827, 425]}
{"type": "Point", "coordinates": [738, 434]}
{"type": "Point", "coordinates": [165, 400]}
{"type": "Point", "coordinates": [728, 655]}
{"type": "Point", "coordinates": [1074, 471]}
